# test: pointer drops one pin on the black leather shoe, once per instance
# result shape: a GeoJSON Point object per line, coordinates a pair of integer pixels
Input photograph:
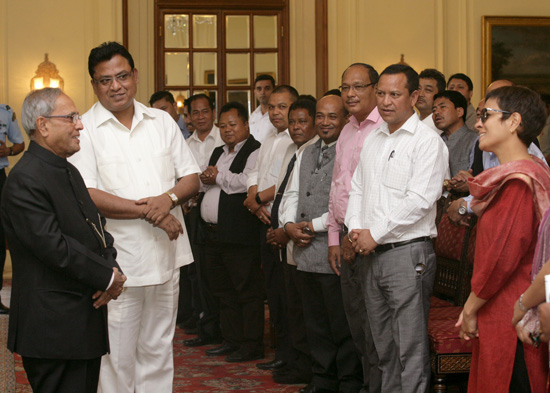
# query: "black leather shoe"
{"type": "Point", "coordinates": [273, 365]}
{"type": "Point", "coordinates": [244, 356]}
{"type": "Point", "coordinates": [222, 350]}
{"type": "Point", "coordinates": [199, 342]}
{"type": "Point", "coordinates": [191, 331]}
{"type": "Point", "coordinates": [290, 378]}
{"type": "Point", "coordinates": [311, 388]}
{"type": "Point", "coordinates": [4, 309]}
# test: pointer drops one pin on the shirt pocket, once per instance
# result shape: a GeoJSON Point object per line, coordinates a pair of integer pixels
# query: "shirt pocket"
{"type": "Point", "coordinates": [113, 172]}
{"type": "Point", "coordinates": [396, 173]}
{"type": "Point", "coordinates": [162, 159]}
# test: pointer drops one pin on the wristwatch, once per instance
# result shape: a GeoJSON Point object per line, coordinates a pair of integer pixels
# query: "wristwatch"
{"type": "Point", "coordinates": [462, 209]}
{"type": "Point", "coordinates": [173, 197]}
{"type": "Point", "coordinates": [258, 200]}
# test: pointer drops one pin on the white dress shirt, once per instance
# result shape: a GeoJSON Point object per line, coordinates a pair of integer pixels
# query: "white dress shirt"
{"type": "Point", "coordinates": [291, 150]}
{"type": "Point", "coordinates": [260, 125]}
{"type": "Point", "coordinates": [229, 182]}
{"type": "Point", "coordinates": [268, 165]}
{"type": "Point", "coordinates": [429, 121]}
{"type": "Point", "coordinates": [292, 194]}
{"type": "Point", "coordinates": [202, 150]}
{"type": "Point", "coordinates": [397, 183]}
{"type": "Point", "coordinates": [145, 161]}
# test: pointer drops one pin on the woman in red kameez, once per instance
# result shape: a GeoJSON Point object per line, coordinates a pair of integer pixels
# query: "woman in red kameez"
{"type": "Point", "coordinates": [510, 200]}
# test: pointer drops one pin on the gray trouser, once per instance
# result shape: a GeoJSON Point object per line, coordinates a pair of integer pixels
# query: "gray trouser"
{"type": "Point", "coordinates": [351, 278]}
{"type": "Point", "coordinates": [397, 297]}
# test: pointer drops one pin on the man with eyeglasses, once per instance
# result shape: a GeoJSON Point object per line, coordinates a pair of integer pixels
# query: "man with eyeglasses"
{"type": "Point", "coordinates": [138, 170]}
{"type": "Point", "coordinates": [358, 93]}
{"type": "Point", "coordinates": [64, 263]}
{"type": "Point", "coordinates": [9, 130]}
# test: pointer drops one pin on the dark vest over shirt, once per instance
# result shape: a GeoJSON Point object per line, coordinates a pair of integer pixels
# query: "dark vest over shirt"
{"type": "Point", "coordinates": [312, 203]}
{"type": "Point", "coordinates": [235, 223]}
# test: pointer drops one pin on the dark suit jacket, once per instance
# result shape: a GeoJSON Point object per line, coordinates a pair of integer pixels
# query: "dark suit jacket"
{"type": "Point", "coordinates": [60, 256]}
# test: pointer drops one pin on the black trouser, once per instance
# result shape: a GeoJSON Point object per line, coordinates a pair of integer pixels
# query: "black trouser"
{"type": "Point", "coordinates": [336, 365]}
{"type": "Point", "coordinates": [209, 322]}
{"type": "Point", "coordinates": [520, 378]}
{"type": "Point", "coordinates": [276, 297]}
{"type": "Point", "coordinates": [2, 238]}
{"type": "Point", "coordinates": [62, 376]}
{"type": "Point", "coordinates": [301, 358]}
{"type": "Point", "coordinates": [236, 280]}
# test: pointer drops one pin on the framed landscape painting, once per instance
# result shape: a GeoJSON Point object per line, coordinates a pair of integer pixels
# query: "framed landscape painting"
{"type": "Point", "coordinates": [518, 49]}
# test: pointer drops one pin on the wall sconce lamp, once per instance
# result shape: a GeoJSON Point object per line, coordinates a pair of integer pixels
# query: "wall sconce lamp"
{"type": "Point", "coordinates": [179, 102]}
{"type": "Point", "coordinates": [47, 75]}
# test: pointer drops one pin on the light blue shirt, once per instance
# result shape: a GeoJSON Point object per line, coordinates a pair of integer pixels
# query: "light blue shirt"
{"type": "Point", "coordinates": [9, 130]}
{"type": "Point", "coordinates": [183, 127]}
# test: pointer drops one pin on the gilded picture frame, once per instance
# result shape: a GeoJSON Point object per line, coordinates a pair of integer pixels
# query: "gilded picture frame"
{"type": "Point", "coordinates": [516, 48]}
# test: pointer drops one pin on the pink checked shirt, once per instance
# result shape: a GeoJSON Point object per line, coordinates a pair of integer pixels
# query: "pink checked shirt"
{"type": "Point", "coordinates": [348, 152]}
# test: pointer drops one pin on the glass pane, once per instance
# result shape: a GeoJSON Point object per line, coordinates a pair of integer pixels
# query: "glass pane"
{"type": "Point", "coordinates": [176, 31]}
{"type": "Point", "coordinates": [266, 63]}
{"type": "Point", "coordinates": [180, 96]}
{"type": "Point", "coordinates": [242, 96]}
{"type": "Point", "coordinates": [238, 69]}
{"type": "Point", "coordinates": [237, 32]}
{"type": "Point", "coordinates": [205, 68]}
{"type": "Point", "coordinates": [204, 31]}
{"type": "Point", "coordinates": [176, 69]}
{"type": "Point", "coordinates": [265, 31]}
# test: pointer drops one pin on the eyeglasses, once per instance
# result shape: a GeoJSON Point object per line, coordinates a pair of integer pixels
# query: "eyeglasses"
{"type": "Point", "coordinates": [74, 117]}
{"type": "Point", "coordinates": [356, 88]}
{"type": "Point", "coordinates": [108, 80]}
{"type": "Point", "coordinates": [484, 115]}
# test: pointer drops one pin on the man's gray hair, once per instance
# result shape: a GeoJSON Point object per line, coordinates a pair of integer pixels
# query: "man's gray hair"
{"type": "Point", "coordinates": [38, 103]}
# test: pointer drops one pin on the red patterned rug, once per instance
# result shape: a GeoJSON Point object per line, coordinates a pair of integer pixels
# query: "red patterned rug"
{"type": "Point", "coordinates": [195, 372]}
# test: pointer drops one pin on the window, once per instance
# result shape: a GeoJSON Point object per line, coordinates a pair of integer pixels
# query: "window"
{"type": "Point", "coordinates": [219, 52]}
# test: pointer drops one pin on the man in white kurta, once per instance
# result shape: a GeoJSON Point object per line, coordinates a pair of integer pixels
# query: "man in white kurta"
{"type": "Point", "coordinates": [138, 168]}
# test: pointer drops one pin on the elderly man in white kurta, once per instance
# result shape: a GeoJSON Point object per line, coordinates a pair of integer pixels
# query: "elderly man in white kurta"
{"type": "Point", "coordinates": [137, 168]}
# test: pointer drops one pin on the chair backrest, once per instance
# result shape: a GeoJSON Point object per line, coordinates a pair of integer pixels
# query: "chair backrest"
{"type": "Point", "coordinates": [453, 273]}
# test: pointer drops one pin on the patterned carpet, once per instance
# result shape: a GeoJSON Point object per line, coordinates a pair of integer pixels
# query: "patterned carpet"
{"type": "Point", "coordinates": [7, 377]}
{"type": "Point", "coordinates": [195, 372]}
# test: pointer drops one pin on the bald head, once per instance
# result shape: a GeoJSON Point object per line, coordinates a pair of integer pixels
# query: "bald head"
{"type": "Point", "coordinates": [330, 118]}
{"type": "Point", "coordinates": [499, 83]}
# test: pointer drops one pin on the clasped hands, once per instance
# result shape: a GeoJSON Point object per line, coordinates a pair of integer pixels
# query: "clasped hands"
{"type": "Point", "coordinates": [459, 182]}
{"type": "Point", "coordinates": [297, 232]}
{"type": "Point", "coordinates": [255, 208]}
{"type": "Point", "coordinates": [209, 175]}
{"type": "Point", "coordinates": [156, 211]}
{"type": "Point", "coordinates": [361, 241]}
{"type": "Point", "coordinates": [117, 286]}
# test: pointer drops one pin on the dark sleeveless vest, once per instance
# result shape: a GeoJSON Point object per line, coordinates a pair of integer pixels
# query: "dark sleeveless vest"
{"type": "Point", "coordinates": [235, 223]}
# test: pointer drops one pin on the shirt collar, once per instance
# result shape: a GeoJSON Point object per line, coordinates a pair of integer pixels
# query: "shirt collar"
{"type": "Point", "coordinates": [329, 145]}
{"type": "Point", "coordinates": [237, 147]}
{"type": "Point", "coordinates": [373, 117]}
{"type": "Point", "coordinates": [102, 114]}
{"type": "Point", "coordinates": [212, 134]}
{"type": "Point", "coordinates": [409, 126]}
{"type": "Point", "coordinates": [46, 155]}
